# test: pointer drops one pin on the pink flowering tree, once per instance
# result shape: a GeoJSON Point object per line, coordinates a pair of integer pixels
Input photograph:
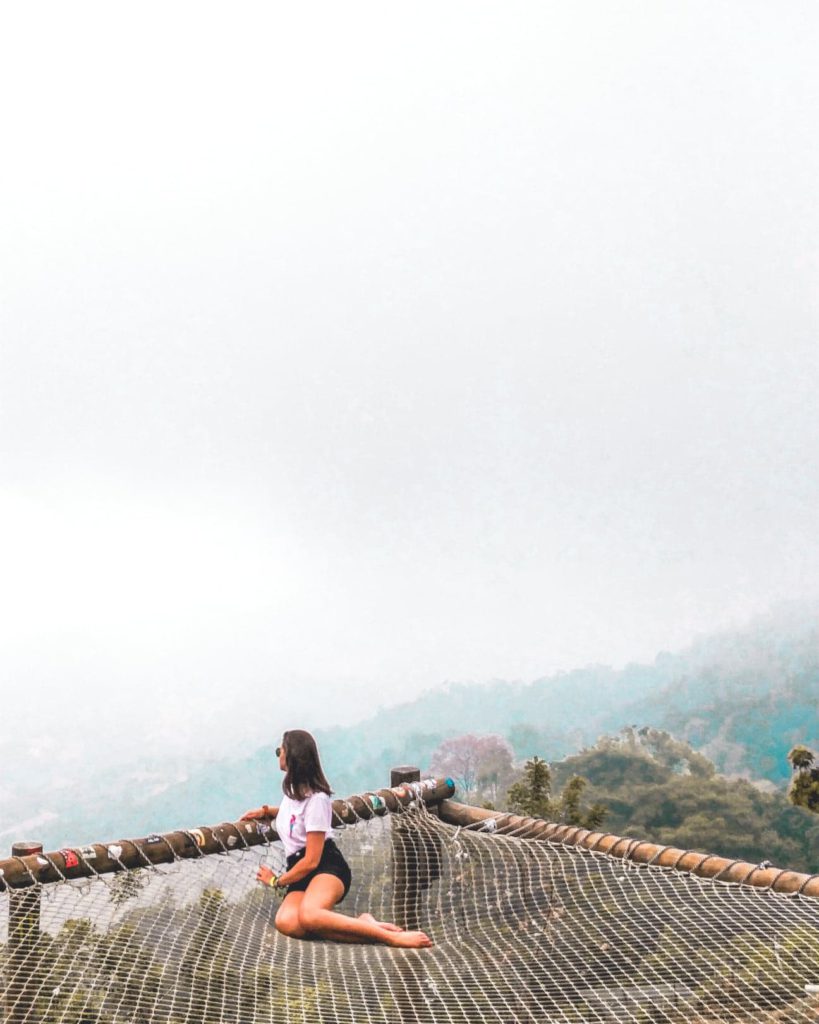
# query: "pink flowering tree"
{"type": "Point", "coordinates": [478, 765]}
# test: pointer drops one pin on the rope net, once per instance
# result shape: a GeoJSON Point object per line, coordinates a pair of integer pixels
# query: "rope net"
{"type": "Point", "coordinates": [524, 930]}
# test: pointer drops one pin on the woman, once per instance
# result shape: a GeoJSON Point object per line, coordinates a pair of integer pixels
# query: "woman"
{"type": "Point", "coordinates": [317, 875]}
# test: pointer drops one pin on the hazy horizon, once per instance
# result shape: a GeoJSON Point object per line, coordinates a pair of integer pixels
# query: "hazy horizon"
{"type": "Point", "coordinates": [346, 352]}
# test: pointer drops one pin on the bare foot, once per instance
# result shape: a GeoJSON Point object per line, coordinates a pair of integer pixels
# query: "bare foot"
{"type": "Point", "coordinates": [410, 940]}
{"type": "Point", "coordinates": [381, 924]}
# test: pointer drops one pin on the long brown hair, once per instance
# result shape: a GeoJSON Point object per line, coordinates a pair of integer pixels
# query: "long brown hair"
{"type": "Point", "coordinates": [304, 775]}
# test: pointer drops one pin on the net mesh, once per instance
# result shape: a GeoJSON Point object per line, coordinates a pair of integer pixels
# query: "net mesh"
{"type": "Point", "coordinates": [524, 930]}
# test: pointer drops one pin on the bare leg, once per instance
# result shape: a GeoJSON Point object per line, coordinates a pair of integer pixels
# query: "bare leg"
{"type": "Point", "coordinates": [287, 922]}
{"type": "Point", "coordinates": [383, 924]}
{"type": "Point", "coordinates": [318, 919]}
{"type": "Point", "coordinates": [287, 916]}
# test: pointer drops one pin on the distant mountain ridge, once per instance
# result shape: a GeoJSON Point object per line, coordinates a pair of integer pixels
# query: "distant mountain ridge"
{"type": "Point", "coordinates": [743, 697]}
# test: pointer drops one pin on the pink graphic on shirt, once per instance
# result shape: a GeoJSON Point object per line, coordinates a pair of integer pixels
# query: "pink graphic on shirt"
{"type": "Point", "coordinates": [292, 823]}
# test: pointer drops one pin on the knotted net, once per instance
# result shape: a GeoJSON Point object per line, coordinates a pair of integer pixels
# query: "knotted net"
{"type": "Point", "coordinates": [524, 930]}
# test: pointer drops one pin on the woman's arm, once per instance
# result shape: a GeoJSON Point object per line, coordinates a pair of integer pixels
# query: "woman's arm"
{"type": "Point", "coordinates": [265, 811]}
{"type": "Point", "coordinates": [309, 862]}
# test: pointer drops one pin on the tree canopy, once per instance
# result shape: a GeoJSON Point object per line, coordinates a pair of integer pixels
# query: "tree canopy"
{"type": "Point", "coordinates": [532, 795]}
{"type": "Point", "coordinates": [658, 788]}
{"type": "Point", "coordinates": [804, 788]}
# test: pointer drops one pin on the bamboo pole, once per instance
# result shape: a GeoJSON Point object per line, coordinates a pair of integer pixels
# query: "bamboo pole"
{"type": "Point", "coordinates": [704, 865]}
{"type": "Point", "coordinates": [102, 858]}
{"type": "Point", "coordinates": [32, 867]}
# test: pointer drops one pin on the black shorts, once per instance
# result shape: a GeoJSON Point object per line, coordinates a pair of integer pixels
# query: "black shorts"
{"type": "Point", "coordinates": [332, 863]}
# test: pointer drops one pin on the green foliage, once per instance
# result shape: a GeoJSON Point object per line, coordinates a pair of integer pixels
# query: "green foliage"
{"type": "Point", "coordinates": [134, 977]}
{"type": "Point", "coordinates": [658, 788]}
{"type": "Point", "coordinates": [66, 963]}
{"type": "Point", "coordinates": [801, 758]}
{"type": "Point", "coordinates": [570, 810]}
{"type": "Point", "coordinates": [804, 788]}
{"type": "Point", "coordinates": [126, 886]}
{"type": "Point", "coordinates": [762, 973]}
{"type": "Point", "coordinates": [532, 795]}
{"type": "Point", "coordinates": [79, 1007]}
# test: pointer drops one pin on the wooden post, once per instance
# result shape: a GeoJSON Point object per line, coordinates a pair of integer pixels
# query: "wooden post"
{"type": "Point", "coordinates": [405, 900]}
{"type": "Point", "coordinates": [416, 859]}
{"type": "Point", "coordinates": [405, 890]}
{"type": "Point", "coordinates": [24, 933]}
{"type": "Point", "coordinates": [404, 773]}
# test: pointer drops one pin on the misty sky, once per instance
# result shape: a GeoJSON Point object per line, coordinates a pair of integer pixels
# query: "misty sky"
{"type": "Point", "coordinates": [347, 349]}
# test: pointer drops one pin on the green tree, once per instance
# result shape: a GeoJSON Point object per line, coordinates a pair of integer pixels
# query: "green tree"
{"type": "Point", "coordinates": [532, 795]}
{"type": "Point", "coordinates": [571, 810]}
{"type": "Point", "coordinates": [804, 788]}
{"type": "Point", "coordinates": [655, 789]}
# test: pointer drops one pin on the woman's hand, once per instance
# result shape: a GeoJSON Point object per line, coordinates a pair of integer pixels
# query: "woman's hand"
{"type": "Point", "coordinates": [266, 877]}
{"type": "Point", "coordinates": [259, 812]}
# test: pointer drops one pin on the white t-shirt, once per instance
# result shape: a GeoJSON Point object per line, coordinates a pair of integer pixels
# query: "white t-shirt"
{"type": "Point", "coordinates": [298, 817]}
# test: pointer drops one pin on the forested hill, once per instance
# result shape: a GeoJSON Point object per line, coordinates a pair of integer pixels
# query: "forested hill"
{"type": "Point", "coordinates": [655, 787]}
{"type": "Point", "coordinates": [743, 697]}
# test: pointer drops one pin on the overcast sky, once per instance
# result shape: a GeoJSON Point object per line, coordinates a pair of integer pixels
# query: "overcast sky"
{"type": "Point", "coordinates": [347, 349]}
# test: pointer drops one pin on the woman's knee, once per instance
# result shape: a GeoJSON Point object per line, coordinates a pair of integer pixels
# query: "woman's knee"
{"type": "Point", "coordinates": [310, 916]}
{"type": "Point", "coordinates": [288, 923]}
